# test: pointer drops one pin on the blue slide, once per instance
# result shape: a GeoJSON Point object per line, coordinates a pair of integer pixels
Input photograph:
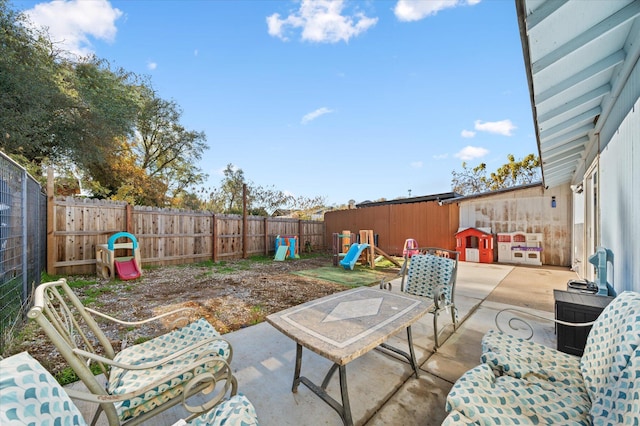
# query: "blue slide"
{"type": "Point", "coordinates": [353, 255]}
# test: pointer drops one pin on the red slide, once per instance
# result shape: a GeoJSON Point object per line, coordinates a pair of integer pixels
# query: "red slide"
{"type": "Point", "coordinates": [127, 269]}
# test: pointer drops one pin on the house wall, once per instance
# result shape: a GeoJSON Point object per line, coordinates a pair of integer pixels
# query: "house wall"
{"type": "Point", "coordinates": [527, 210]}
{"type": "Point", "coordinates": [619, 165]}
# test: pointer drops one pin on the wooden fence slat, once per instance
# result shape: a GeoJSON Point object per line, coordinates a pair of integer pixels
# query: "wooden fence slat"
{"type": "Point", "coordinates": [166, 236]}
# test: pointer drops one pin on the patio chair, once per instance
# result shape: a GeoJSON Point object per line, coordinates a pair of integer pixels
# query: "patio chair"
{"type": "Point", "coordinates": [431, 272]}
{"type": "Point", "coordinates": [30, 395]}
{"type": "Point", "coordinates": [141, 380]}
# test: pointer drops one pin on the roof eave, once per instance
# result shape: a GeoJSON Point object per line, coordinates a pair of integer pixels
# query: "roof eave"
{"type": "Point", "coordinates": [522, 24]}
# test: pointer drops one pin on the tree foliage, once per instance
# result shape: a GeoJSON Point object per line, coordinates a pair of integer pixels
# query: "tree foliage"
{"type": "Point", "coordinates": [106, 131]}
{"type": "Point", "coordinates": [261, 201]}
{"type": "Point", "coordinates": [30, 93]}
{"type": "Point", "coordinates": [475, 180]}
{"type": "Point", "coordinates": [85, 115]}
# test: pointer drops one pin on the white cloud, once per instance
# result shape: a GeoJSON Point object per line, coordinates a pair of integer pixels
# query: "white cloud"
{"type": "Point", "coordinates": [74, 23]}
{"type": "Point", "coordinates": [416, 164]}
{"type": "Point", "coordinates": [321, 21]}
{"type": "Point", "coordinates": [471, 152]}
{"type": "Point", "coordinates": [467, 133]}
{"type": "Point", "coordinates": [504, 127]}
{"type": "Point", "coordinates": [152, 65]}
{"type": "Point", "coordinates": [415, 10]}
{"type": "Point", "coordinates": [315, 114]}
{"type": "Point", "coordinates": [440, 156]}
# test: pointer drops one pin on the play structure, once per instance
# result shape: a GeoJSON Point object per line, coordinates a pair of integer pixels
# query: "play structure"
{"type": "Point", "coordinates": [410, 247]}
{"type": "Point", "coordinates": [127, 267]}
{"type": "Point", "coordinates": [352, 256]}
{"type": "Point", "coordinates": [286, 246]}
{"type": "Point", "coordinates": [343, 243]}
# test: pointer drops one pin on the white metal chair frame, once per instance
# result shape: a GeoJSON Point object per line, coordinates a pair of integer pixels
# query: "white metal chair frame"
{"type": "Point", "coordinates": [74, 331]}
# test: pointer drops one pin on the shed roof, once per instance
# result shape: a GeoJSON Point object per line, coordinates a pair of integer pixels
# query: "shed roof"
{"type": "Point", "coordinates": [491, 193]}
{"type": "Point", "coordinates": [578, 56]}
{"type": "Point", "coordinates": [434, 197]}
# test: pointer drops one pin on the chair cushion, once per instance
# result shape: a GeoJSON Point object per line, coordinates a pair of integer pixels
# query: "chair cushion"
{"type": "Point", "coordinates": [456, 418]}
{"type": "Point", "coordinates": [29, 395]}
{"type": "Point", "coordinates": [124, 381]}
{"type": "Point", "coordinates": [611, 344]}
{"type": "Point", "coordinates": [489, 400]}
{"type": "Point", "coordinates": [427, 273]}
{"type": "Point", "coordinates": [236, 411]}
{"type": "Point", "coordinates": [620, 403]}
{"type": "Point", "coordinates": [509, 355]}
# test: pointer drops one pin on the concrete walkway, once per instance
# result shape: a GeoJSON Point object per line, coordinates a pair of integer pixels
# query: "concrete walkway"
{"type": "Point", "coordinates": [382, 389]}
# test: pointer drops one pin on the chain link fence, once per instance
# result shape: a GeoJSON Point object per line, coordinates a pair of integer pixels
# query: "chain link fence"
{"type": "Point", "coordinates": [23, 237]}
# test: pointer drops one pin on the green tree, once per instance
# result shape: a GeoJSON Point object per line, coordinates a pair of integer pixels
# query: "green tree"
{"type": "Point", "coordinates": [261, 201]}
{"type": "Point", "coordinates": [164, 148]}
{"type": "Point", "coordinates": [228, 197]}
{"type": "Point", "coordinates": [514, 173]}
{"type": "Point", "coordinates": [53, 110]}
{"type": "Point", "coordinates": [30, 93]}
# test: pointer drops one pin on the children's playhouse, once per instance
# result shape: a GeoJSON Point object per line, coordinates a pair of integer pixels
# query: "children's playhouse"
{"type": "Point", "coordinates": [475, 245]}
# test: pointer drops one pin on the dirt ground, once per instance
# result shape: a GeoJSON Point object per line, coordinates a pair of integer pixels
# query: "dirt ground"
{"type": "Point", "coordinates": [230, 295]}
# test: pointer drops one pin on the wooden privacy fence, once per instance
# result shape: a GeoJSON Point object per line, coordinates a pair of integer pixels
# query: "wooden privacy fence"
{"type": "Point", "coordinates": [429, 223]}
{"type": "Point", "coordinates": [165, 236]}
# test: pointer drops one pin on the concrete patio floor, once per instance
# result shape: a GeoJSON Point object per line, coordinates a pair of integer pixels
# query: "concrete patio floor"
{"type": "Point", "coordinates": [382, 389]}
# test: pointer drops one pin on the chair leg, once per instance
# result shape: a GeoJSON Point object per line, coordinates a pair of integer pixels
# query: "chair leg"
{"type": "Point", "coordinates": [454, 316]}
{"type": "Point", "coordinates": [435, 330]}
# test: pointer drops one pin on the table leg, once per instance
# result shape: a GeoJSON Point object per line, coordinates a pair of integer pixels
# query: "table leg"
{"type": "Point", "coordinates": [343, 410]}
{"type": "Point", "coordinates": [414, 364]}
{"type": "Point", "coordinates": [411, 356]}
{"type": "Point", "coordinates": [327, 378]}
{"type": "Point", "coordinates": [346, 406]}
{"type": "Point", "coordinates": [296, 374]}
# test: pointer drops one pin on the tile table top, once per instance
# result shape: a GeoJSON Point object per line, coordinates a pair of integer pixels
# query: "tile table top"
{"type": "Point", "coordinates": [345, 325]}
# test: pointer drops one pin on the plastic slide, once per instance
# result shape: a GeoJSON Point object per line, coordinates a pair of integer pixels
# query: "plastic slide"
{"type": "Point", "coordinates": [127, 269]}
{"type": "Point", "coordinates": [353, 255]}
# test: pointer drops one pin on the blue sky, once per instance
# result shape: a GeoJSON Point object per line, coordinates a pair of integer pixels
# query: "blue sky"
{"type": "Point", "coordinates": [355, 99]}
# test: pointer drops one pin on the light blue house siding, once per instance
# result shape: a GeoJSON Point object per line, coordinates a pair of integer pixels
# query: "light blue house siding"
{"type": "Point", "coordinates": [620, 186]}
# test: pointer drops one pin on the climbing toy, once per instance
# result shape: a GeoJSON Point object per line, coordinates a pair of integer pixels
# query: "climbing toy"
{"type": "Point", "coordinates": [127, 267]}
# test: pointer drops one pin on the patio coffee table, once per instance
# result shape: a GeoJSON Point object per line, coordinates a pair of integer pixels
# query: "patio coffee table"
{"type": "Point", "coordinates": [343, 326]}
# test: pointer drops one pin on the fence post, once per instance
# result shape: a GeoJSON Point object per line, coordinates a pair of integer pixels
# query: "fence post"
{"type": "Point", "coordinates": [244, 221]}
{"type": "Point", "coordinates": [300, 235]}
{"type": "Point", "coordinates": [214, 233]}
{"type": "Point", "coordinates": [129, 218]}
{"type": "Point", "coordinates": [266, 236]}
{"type": "Point", "coordinates": [51, 211]}
{"type": "Point", "coordinates": [25, 259]}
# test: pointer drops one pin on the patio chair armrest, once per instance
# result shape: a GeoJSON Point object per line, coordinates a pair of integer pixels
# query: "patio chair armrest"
{"type": "Point", "coordinates": [144, 321]}
{"type": "Point", "coordinates": [112, 398]}
{"type": "Point", "coordinates": [84, 396]}
{"type": "Point", "coordinates": [152, 364]}
{"type": "Point", "coordinates": [230, 387]}
{"type": "Point", "coordinates": [385, 284]}
{"type": "Point", "coordinates": [439, 297]}
{"type": "Point", "coordinates": [516, 323]}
